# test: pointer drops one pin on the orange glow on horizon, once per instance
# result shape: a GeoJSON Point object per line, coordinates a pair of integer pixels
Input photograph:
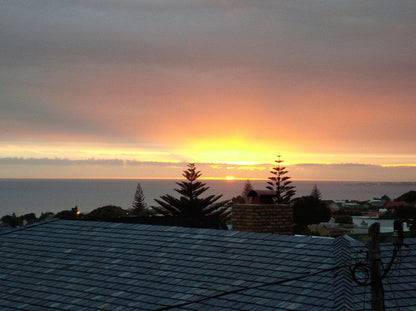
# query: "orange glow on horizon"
{"type": "Point", "coordinates": [237, 152]}
{"type": "Point", "coordinates": [234, 151]}
{"type": "Point", "coordinates": [218, 159]}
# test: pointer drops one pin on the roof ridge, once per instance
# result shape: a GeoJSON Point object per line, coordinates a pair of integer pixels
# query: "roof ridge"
{"type": "Point", "coordinates": [15, 229]}
{"type": "Point", "coordinates": [343, 286]}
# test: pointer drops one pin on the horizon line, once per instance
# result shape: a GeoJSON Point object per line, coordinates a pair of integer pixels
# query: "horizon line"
{"type": "Point", "coordinates": [204, 178]}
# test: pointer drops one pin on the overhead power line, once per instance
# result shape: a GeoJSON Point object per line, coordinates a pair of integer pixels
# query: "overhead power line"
{"type": "Point", "coordinates": [308, 274]}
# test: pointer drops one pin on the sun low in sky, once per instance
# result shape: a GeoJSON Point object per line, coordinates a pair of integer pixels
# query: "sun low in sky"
{"type": "Point", "coordinates": [136, 89]}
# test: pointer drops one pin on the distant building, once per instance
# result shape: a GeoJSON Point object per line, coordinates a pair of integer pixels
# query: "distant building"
{"type": "Point", "coordinates": [261, 197]}
{"type": "Point", "coordinates": [362, 223]}
{"type": "Point", "coordinates": [332, 205]}
{"type": "Point", "coordinates": [376, 203]}
{"type": "Point", "coordinates": [394, 204]}
{"type": "Point", "coordinates": [352, 205]}
{"type": "Point", "coordinates": [331, 229]}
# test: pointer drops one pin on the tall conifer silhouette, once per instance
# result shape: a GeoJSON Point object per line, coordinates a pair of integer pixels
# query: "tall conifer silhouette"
{"type": "Point", "coordinates": [139, 206]}
{"type": "Point", "coordinates": [247, 188]}
{"type": "Point", "coordinates": [280, 183]}
{"type": "Point", "coordinates": [316, 193]}
{"type": "Point", "coordinates": [190, 203]}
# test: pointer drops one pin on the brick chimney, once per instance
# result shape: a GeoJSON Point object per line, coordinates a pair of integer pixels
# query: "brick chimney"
{"type": "Point", "coordinates": [267, 218]}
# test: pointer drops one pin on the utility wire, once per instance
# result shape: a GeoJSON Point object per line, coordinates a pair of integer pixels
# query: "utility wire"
{"type": "Point", "coordinates": [280, 282]}
{"type": "Point", "coordinates": [253, 287]}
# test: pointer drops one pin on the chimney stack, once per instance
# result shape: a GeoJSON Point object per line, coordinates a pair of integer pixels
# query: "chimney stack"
{"type": "Point", "coordinates": [266, 218]}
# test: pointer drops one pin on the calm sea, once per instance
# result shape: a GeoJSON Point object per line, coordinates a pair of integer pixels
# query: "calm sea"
{"type": "Point", "coordinates": [23, 196]}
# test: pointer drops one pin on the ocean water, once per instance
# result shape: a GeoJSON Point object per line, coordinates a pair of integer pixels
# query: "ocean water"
{"type": "Point", "coordinates": [23, 196]}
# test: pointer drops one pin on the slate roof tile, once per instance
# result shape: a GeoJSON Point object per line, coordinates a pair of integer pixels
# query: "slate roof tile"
{"type": "Point", "coordinates": [89, 265]}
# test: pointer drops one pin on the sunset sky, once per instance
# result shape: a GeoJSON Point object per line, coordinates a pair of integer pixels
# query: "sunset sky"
{"type": "Point", "coordinates": [137, 88]}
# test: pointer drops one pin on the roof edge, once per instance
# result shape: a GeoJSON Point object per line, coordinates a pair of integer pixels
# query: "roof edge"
{"type": "Point", "coordinates": [14, 229]}
{"type": "Point", "coordinates": [343, 283]}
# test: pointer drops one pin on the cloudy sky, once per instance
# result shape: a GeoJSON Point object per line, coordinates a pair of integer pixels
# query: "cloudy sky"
{"type": "Point", "coordinates": [136, 88]}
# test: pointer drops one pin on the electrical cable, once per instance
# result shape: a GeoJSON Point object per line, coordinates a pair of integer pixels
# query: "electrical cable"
{"type": "Point", "coordinates": [397, 265]}
{"type": "Point", "coordinates": [253, 287]}
{"type": "Point", "coordinates": [361, 267]}
{"type": "Point", "coordinates": [365, 296]}
{"type": "Point", "coordinates": [392, 292]}
{"type": "Point", "coordinates": [354, 269]}
{"type": "Point", "coordinates": [395, 251]}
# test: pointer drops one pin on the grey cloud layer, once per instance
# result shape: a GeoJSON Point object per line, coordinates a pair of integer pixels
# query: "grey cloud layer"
{"type": "Point", "coordinates": [65, 168]}
{"type": "Point", "coordinates": [177, 32]}
{"type": "Point", "coordinates": [53, 50]}
{"type": "Point", "coordinates": [57, 161]}
{"type": "Point", "coordinates": [64, 161]}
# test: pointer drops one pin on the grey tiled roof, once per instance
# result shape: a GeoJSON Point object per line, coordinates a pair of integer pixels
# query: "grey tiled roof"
{"type": "Point", "coordinates": [77, 265]}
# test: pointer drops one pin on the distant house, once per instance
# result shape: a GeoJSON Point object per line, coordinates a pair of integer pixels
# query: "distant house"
{"type": "Point", "coordinates": [80, 265]}
{"type": "Point", "coordinates": [331, 205]}
{"type": "Point", "coordinates": [331, 229]}
{"type": "Point", "coordinates": [352, 205]}
{"type": "Point", "coordinates": [341, 203]}
{"type": "Point", "coordinates": [261, 197]}
{"type": "Point", "coordinates": [376, 203]}
{"type": "Point", "coordinates": [394, 204]}
{"type": "Point", "coordinates": [362, 223]}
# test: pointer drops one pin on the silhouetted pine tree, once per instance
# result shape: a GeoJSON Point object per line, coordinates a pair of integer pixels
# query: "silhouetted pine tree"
{"type": "Point", "coordinates": [280, 183]}
{"type": "Point", "coordinates": [316, 193]}
{"type": "Point", "coordinates": [139, 205]}
{"type": "Point", "coordinates": [190, 203]}
{"type": "Point", "coordinates": [247, 188]}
